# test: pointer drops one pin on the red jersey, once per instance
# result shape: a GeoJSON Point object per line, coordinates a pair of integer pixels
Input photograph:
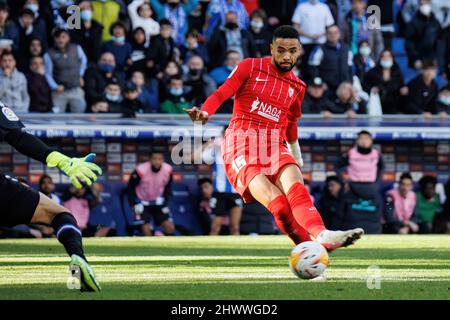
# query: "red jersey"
{"type": "Point", "coordinates": [265, 98]}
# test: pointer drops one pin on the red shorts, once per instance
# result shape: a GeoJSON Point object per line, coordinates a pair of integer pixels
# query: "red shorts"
{"type": "Point", "coordinates": [246, 157]}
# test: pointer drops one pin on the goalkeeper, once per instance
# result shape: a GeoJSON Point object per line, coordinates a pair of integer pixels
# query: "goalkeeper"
{"type": "Point", "coordinates": [23, 205]}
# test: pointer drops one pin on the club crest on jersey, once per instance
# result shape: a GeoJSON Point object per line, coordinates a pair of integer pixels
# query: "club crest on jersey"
{"type": "Point", "coordinates": [266, 110]}
{"type": "Point", "coordinates": [290, 92]}
{"type": "Point", "coordinates": [9, 114]}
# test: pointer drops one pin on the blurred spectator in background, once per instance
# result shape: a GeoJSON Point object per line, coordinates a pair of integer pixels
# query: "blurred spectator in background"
{"type": "Point", "coordinates": [428, 203]}
{"type": "Point", "coordinates": [362, 205]}
{"type": "Point", "coordinates": [315, 100]}
{"type": "Point", "coordinates": [107, 12]}
{"type": "Point", "coordinates": [402, 202]}
{"type": "Point", "coordinates": [444, 52]}
{"type": "Point", "coordinates": [34, 49]}
{"type": "Point", "coordinates": [279, 12]}
{"type": "Point", "coordinates": [443, 102]}
{"type": "Point", "coordinates": [421, 36]}
{"type": "Point", "coordinates": [217, 11]}
{"type": "Point", "coordinates": [330, 201]}
{"type": "Point", "coordinates": [230, 37]}
{"type": "Point", "coordinates": [118, 46]}
{"type": "Point", "coordinates": [47, 187]}
{"type": "Point", "coordinates": [220, 74]}
{"type": "Point", "coordinates": [113, 96]}
{"type": "Point", "coordinates": [60, 13]}
{"type": "Point", "coordinates": [260, 32]}
{"type": "Point", "coordinates": [9, 35]}
{"type": "Point", "coordinates": [89, 36]}
{"type": "Point", "coordinates": [193, 48]}
{"type": "Point", "coordinates": [423, 91]}
{"type": "Point", "coordinates": [98, 76]}
{"type": "Point", "coordinates": [331, 61]}
{"type": "Point", "coordinates": [138, 53]}
{"type": "Point", "coordinates": [311, 18]}
{"type": "Point", "coordinates": [218, 210]}
{"type": "Point", "coordinates": [386, 79]}
{"type": "Point", "coordinates": [99, 106]}
{"type": "Point", "coordinates": [148, 91]}
{"type": "Point", "coordinates": [347, 101]}
{"type": "Point", "coordinates": [65, 64]}
{"type": "Point", "coordinates": [177, 13]}
{"type": "Point", "coordinates": [201, 83]}
{"type": "Point", "coordinates": [149, 191]}
{"type": "Point", "coordinates": [131, 104]}
{"type": "Point", "coordinates": [28, 30]}
{"type": "Point", "coordinates": [171, 69]}
{"type": "Point", "coordinates": [362, 61]}
{"type": "Point", "coordinates": [355, 29]}
{"type": "Point", "coordinates": [176, 97]}
{"type": "Point", "coordinates": [13, 84]}
{"type": "Point", "coordinates": [141, 16]}
{"type": "Point", "coordinates": [441, 10]}
{"type": "Point", "coordinates": [38, 88]}
{"type": "Point", "coordinates": [80, 202]}
{"type": "Point", "coordinates": [162, 50]}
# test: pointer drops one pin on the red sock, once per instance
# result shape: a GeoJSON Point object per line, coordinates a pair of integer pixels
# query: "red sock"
{"type": "Point", "coordinates": [284, 219]}
{"type": "Point", "coordinates": [304, 210]}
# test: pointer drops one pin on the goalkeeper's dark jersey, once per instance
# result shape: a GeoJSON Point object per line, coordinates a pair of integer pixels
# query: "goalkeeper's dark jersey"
{"type": "Point", "coordinates": [8, 121]}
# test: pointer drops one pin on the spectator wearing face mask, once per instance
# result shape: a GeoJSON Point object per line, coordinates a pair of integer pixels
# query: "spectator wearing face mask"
{"type": "Point", "coordinates": [362, 62]}
{"type": "Point", "coordinates": [217, 11]}
{"type": "Point", "coordinates": [443, 102]}
{"type": "Point", "coordinates": [171, 69]}
{"type": "Point", "coordinates": [201, 83]}
{"type": "Point", "coordinates": [176, 97]}
{"type": "Point", "coordinates": [118, 46]}
{"type": "Point", "coordinates": [27, 31]}
{"type": "Point", "coordinates": [106, 13]}
{"type": "Point", "coordinates": [113, 96]}
{"type": "Point", "coordinates": [39, 22]}
{"type": "Point", "coordinates": [193, 48]}
{"type": "Point", "coordinates": [148, 91]}
{"type": "Point", "coordinates": [141, 15]}
{"type": "Point", "coordinates": [386, 79]}
{"type": "Point", "coordinates": [220, 74]}
{"type": "Point", "coordinates": [162, 50]}
{"type": "Point", "coordinates": [89, 36]}
{"type": "Point", "coordinates": [230, 37]}
{"type": "Point", "coordinates": [423, 91]}
{"type": "Point", "coordinates": [177, 13]}
{"type": "Point", "coordinates": [421, 36]}
{"type": "Point", "coordinates": [260, 32]}
{"type": "Point", "coordinates": [98, 76]}
{"type": "Point", "coordinates": [38, 88]}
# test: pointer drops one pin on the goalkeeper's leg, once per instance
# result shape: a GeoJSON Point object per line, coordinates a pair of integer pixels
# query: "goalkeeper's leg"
{"type": "Point", "coordinates": [68, 233]}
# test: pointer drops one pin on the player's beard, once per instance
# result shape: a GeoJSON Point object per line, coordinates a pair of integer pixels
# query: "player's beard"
{"type": "Point", "coordinates": [284, 69]}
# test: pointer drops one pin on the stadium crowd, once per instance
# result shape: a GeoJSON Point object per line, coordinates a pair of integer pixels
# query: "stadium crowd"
{"type": "Point", "coordinates": [146, 56]}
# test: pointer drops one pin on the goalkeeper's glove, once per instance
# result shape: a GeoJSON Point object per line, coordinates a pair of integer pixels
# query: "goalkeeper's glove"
{"type": "Point", "coordinates": [77, 169]}
{"type": "Point", "coordinates": [294, 148]}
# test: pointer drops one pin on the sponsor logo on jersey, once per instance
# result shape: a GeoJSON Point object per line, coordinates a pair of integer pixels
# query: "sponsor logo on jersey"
{"type": "Point", "coordinates": [266, 110]}
{"type": "Point", "coordinates": [9, 114]}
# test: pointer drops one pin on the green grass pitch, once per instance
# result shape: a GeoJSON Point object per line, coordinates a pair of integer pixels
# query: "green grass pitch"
{"type": "Point", "coordinates": [411, 267]}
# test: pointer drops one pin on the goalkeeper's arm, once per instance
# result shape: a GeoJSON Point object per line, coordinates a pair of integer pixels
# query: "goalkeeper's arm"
{"type": "Point", "coordinates": [77, 169]}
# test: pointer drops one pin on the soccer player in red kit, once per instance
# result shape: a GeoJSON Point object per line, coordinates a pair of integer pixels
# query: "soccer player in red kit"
{"type": "Point", "coordinates": [261, 153]}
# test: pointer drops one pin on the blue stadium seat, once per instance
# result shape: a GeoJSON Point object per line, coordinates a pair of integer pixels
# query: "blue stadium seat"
{"type": "Point", "coordinates": [398, 47]}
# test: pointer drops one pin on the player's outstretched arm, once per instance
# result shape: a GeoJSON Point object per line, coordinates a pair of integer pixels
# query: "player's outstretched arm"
{"type": "Point", "coordinates": [197, 115]}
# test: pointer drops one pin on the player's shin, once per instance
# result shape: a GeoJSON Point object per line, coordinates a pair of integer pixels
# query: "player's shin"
{"type": "Point", "coordinates": [68, 233]}
{"type": "Point", "coordinates": [281, 211]}
{"type": "Point", "coordinates": [304, 211]}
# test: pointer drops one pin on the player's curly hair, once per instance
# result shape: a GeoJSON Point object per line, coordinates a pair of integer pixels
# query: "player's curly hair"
{"type": "Point", "coordinates": [285, 32]}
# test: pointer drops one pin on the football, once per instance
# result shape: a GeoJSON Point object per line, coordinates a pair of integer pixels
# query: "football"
{"type": "Point", "coordinates": [308, 260]}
